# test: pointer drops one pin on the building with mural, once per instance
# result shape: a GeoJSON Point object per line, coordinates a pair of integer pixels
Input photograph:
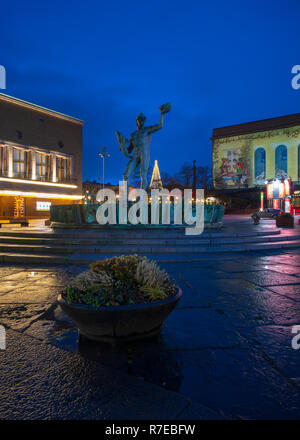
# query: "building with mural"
{"type": "Point", "coordinates": [40, 159]}
{"type": "Point", "coordinates": [247, 155]}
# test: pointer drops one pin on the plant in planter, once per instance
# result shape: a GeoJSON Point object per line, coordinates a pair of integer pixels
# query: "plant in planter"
{"type": "Point", "coordinates": [120, 298]}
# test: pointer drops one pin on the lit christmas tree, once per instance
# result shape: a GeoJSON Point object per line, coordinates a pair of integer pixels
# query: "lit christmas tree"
{"type": "Point", "coordinates": [156, 182]}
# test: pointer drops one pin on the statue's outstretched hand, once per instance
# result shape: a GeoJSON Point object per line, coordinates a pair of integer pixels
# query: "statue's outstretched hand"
{"type": "Point", "coordinates": [165, 108]}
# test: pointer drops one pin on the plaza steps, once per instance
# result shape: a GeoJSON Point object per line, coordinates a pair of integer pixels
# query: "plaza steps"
{"type": "Point", "coordinates": [84, 247]}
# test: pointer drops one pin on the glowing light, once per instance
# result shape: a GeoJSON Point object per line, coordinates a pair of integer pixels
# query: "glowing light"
{"type": "Point", "coordinates": [275, 203]}
{"type": "Point", "coordinates": [270, 191]}
{"type": "Point", "coordinates": [287, 187]}
{"type": "Point", "coordinates": [40, 195]}
{"type": "Point", "coordinates": [34, 182]}
{"type": "Point", "coordinates": [281, 190]}
{"type": "Point", "coordinates": [156, 179]}
{"type": "Point", "coordinates": [43, 206]}
{"type": "Point", "coordinates": [261, 201]}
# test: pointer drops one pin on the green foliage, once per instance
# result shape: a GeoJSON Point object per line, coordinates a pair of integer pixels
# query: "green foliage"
{"type": "Point", "coordinates": [120, 281]}
{"type": "Point", "coordinates": [155, 293]}
{"type": "Point", "coordinates": [148, 273]}
{"type": "Point", "coordinates": [121, 268]}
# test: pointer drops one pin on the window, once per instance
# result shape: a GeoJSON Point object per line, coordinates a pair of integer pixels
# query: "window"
{"type": "Point", "coordinates": [19, 162]}
{"type": "Point", "coordinates": [281, 162]}
{"type": "Point", "coordinates": [260, 165]}
{"type": "Point", "coordinates": [283, 154]}
{"type": "Point", "coordinates": [62, 168]}
{"type": "Point", "coordinates": [3, 160]}
{"type": "Point", "coordinates": [41, 165]}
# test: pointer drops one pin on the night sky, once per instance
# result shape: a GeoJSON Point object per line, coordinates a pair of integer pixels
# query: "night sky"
{"type": "Point", "coordinates": [218, 62]}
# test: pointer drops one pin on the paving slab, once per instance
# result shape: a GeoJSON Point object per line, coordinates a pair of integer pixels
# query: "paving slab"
{"type": "Point", "coordinates": [226, 347]}
{"type": "Point", "coordinates": [55, 385]}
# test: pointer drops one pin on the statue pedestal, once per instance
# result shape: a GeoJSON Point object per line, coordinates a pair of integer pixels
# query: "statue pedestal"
{"type": "Point", "coordinates": [84, 216]}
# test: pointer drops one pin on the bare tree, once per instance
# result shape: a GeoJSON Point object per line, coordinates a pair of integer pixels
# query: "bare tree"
{"type": "Point", "coordinates": [203, 177]}
{"type": "Point", "coordinates": [167, 179]}
{"type": "Point", "coordinates": [185, 175]}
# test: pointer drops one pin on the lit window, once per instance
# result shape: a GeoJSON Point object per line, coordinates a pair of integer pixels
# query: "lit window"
{"type": "Point", "coordinates": [43, 206]}
{"type": "Point", "coordinates": [3, 160]}
{"type": "Point", "coordinates": [62, 168]}
{"type": "Point", "coordinates": [19, 162]}
{"type": "Point", "coordinates": [41, 161]}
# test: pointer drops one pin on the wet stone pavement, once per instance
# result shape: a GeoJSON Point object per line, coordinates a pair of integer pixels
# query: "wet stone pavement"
{"type": "Point", "coordinates": [227, 346]}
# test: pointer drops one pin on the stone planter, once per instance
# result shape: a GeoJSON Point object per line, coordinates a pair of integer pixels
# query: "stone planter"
{"type": "Point", "coordinates": [120, 323]}
{"type": "Point", "coordinates": [285, 221]}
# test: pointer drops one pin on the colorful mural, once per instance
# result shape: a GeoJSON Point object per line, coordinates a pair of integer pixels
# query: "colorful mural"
{"type": "Point", "coordinates": [248, 160]}
{"type": "Point", "coordinates": [232, 171]}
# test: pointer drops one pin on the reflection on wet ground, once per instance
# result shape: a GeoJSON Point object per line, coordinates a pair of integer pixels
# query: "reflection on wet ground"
{"type": "Point", "coordinates": [227, 345]}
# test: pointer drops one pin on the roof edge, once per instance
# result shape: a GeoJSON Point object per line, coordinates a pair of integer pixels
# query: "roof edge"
{"type": "Point", "coordinates": [39, 108]}
{"type": "Point", "coordinates": [245, 128]}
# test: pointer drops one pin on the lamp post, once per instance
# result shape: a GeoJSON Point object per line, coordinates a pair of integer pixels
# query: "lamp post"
{"type": "Point", "coordinates": [104, 154]}
{"type": "Point", "coordinates": [194, 180]}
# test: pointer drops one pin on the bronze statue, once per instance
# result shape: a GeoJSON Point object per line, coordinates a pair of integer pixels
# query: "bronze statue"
{"type": "Point", "coordinates": [139, 142]}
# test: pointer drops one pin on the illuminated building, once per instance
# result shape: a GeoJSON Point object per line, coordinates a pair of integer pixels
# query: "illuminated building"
{"type": "Point", "coordinates": [279, 194]}
{"type": "Point", "coordinates": [40, 159]}
{"type": "Point", "coordinates": [246, 155]}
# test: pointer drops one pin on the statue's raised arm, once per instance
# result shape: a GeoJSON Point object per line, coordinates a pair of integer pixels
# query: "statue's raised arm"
{"type": "Point", "coordinates": [165, 108]}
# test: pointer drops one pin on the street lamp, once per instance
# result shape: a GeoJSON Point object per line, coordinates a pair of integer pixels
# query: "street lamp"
{"type": "Point", "coordinates": [104, 154]}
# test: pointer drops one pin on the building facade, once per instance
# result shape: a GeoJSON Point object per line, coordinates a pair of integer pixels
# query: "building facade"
{"type": "Point", "coordinates": [40, 159]}
{"type": "Point", "coordinates": [249, 154]}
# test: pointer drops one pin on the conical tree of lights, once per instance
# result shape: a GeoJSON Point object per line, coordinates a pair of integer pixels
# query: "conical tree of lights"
{"type": "Point", "coordinates": [156, 182]}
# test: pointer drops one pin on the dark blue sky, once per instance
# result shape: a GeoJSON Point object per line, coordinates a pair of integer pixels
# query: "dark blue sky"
{"type": "Point", "coordinates": [218, 62]}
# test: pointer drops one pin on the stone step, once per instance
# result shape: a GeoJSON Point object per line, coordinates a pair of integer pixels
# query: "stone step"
{"type": "Point", "coordinates": [149, 234]}
{"type": "Point", "coordinates": [172, 254]}
{"type": "Point", "coordinates": [100, 246]}
{"type": "Point", "coordinates": [183, 239]}
{"type": "Point", "coordinates": [117, 245]}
